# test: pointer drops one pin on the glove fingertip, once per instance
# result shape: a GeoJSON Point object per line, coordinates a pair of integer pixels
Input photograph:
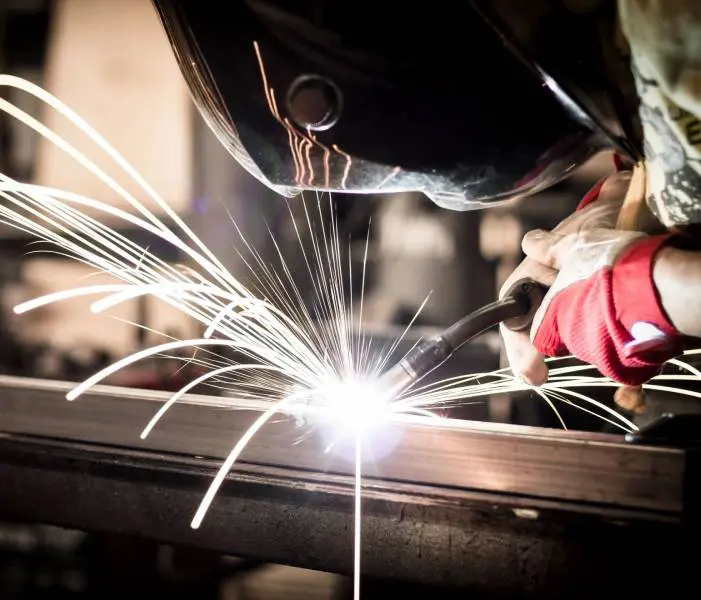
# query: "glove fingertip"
{"type": "Point", "coordinates": [631, 398]}
{"type": "Point", "coordinates": [536, 374]}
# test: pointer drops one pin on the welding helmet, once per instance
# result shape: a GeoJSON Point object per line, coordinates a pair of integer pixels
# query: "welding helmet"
{"type": "Point", "coordinates": [468, 102]}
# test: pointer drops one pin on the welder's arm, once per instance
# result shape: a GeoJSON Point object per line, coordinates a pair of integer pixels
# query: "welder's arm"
{"type": "Point", "coordinates": [677, 277]}
{"type": "Point", "coordinates": [665, 37]}
{"type": "Point", "coordinates": [598, 209]}
{"type": "Point", "coordinates": [622, 301]}
{"type": "Point", "coordinates": [602, 308]}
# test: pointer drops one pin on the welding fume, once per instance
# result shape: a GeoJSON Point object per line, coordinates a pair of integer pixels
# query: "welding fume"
{"type": "Point", "coordinates": [476, 105]}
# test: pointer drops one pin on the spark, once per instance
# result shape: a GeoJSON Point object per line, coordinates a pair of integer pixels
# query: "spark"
{"type": "Point", "coordinates": [357, 516]}
{"type": "Point", "coordinates": [347, 168]}
{"type": "Point", "coordinates": [294, 351]}
{"type": "Point", "coordinates": [301, 143]}
{"type": "Point", "coordinates": [213, 374]}
{"type": "Point", "coordinates": [389, 177]}
{"type": "Point", "coordinates": [233, 456]}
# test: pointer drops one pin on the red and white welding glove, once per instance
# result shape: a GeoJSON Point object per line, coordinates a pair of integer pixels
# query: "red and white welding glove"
{"type": "Point", "coordinates": [602, 306]}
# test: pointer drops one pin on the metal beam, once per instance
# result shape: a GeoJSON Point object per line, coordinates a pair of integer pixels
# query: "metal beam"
{"type": "Point", "coordinates": [502, 509]}
{"type": "Point", "coordinates": [549, 465]}
{"type": "Point", "coordinates": [412, 533]}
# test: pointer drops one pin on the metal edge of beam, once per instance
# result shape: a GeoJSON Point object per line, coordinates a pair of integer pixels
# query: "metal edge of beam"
{"type": "Point", "coordinates": [597, 469]}
{"type": "Point", "coordinates": [412, 533]}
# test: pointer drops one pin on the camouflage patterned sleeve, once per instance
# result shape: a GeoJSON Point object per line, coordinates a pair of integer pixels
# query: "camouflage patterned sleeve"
{"type": "Point", "coordinates": [665, 45]}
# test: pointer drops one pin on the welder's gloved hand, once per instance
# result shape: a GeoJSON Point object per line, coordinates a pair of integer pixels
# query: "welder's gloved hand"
{"type": "Point", "coordinates": [598, 209]}
{"type": "Point", "coordinates": [603, 306]}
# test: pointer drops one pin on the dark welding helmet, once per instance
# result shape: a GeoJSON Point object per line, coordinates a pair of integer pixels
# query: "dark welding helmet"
{"type": "Point", "coordinates": [468, 102]}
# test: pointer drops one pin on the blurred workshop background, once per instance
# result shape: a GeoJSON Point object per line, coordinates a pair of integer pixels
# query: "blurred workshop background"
{"type": "Point", "coordinates": [110, 61]}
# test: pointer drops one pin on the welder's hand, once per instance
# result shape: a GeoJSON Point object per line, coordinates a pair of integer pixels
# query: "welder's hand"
{"type": "Point", "coordinates": [603, 307]}
{"type": "Point", "coordinates": [599, 209]}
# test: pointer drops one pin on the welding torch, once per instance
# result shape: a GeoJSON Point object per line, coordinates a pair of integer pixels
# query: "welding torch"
{"type": "Point", "coordinates": [515, 310]}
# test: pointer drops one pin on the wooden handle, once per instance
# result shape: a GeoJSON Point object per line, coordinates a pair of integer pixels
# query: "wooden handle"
{"type": "Point", "coordinates": [634, 206]}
